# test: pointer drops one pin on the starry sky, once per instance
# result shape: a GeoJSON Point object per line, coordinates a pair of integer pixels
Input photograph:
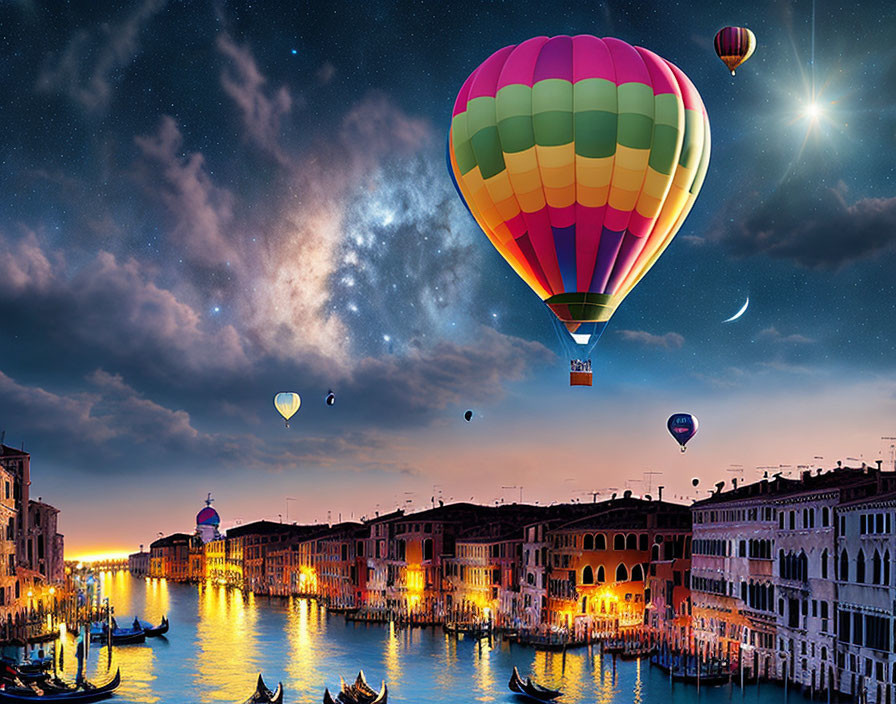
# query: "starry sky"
{"type": "Point", "coordinates": [205, 203]}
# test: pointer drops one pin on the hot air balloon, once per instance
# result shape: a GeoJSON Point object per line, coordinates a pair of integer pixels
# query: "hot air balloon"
{"type": "Point", "coordinates": [287, 403]}
{"type": "Point", "coordinates": [695, 482]}
{"type": "Point", "coordinates": [579, 158]}
{"type": "Point", "coordinates": [682, 426]}
{"type": "Point", "coordinates": [468, 416]}
{"type": "Point", "coordinates": [734, 45]}
{"type": "Point", "coordinates": [331, 398]}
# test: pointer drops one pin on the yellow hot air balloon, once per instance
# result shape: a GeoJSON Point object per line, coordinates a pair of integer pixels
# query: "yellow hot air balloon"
{"type": "Point", "coordinates": [287, 403]}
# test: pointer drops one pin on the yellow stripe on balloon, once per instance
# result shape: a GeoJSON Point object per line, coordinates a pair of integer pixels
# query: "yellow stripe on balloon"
{"type": "Point", "coordinates": [558, 177]}
{"type": "Point", "coordinates": [560, 197]}
{"type": "Point", "coordinates": [594, 172]}
{"type": "Point", "coordinates": [592, 197]}
{"type": "Point", "coordinates": [531, 201]}
{"type": "Point", "coordinates": [562, 155]}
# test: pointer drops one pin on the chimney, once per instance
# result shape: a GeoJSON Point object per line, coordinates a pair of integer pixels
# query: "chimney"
{"type": "Point", "coordinates": [879, 463]}
{"type": "Point", "coordinates": [661, 493]}
{"type": "Point", "coordinates": [734, 482]}
{"type": "Point", "coordinates": [805, 475]}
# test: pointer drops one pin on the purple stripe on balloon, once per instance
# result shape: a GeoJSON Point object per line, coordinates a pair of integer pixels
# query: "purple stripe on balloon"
{"type": "Point", "coordinates": [555, 60]}
{"type": "Point", "coordinates": [565, 244]}
{"type": "Point", "coordinates": [628, 253]}
{"type": "Point", "coordinates": [606, 256]}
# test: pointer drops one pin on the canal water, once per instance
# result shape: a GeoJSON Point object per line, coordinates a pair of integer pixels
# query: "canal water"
{"type": "Point", "coordinates": [221, 639]}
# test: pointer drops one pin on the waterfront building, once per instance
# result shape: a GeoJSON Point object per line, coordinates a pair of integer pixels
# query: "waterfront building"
{"type": "Point", "coordinates": [18, 464]}
{"type": "Point", "coordinates": [169, 557]}
{"type": "Point", "coordinates": [43, 544]}
{"type": "Point", "coordinates": [9, 586]}
{"type": "Point", "coordinates": [138, 563]}
{"type": "Point", "coordinates": [533, 572]}
{"type": "Point", "coordinates": [599, 564]}
{"type": "Point", "coordinates": [215, 552]}
{"type": "Point", "coordinates": [866, 586]}
{"type": "Point", "coordinates": [341, 568]}
{"type": "Point", "coordinates": [251, 544]}
{"type": "Point", "coordinates": [378, 568]}
{"type": "Point", "coordinates": [207, 523]}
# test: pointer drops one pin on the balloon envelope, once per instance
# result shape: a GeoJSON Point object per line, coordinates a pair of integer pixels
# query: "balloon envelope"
{"type": "Point", "coordinates": [695, 482]}
{"type": "Point", "coordinates": [287, 403]}
{"type": "Point", "coordinates": [682, 427]}
{"type": "Point", "coordinates": [579, 158]}
{"type": "Point", "coordinates": [468, 416]}
{"type": "Point", "coordinates": [331, 398]}
{"type": "Point", "coordinates": [734, 45]}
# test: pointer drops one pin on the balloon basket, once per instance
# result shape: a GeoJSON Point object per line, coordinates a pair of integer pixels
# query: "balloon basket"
{"type": "Point", "coordinates": [580, 378]}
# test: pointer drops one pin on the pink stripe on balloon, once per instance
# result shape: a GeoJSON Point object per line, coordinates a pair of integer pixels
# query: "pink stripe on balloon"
{"type": "Point", "coordinates": [589, 222]}
{"type": "Point", "coordinates": [640, 226]}
{"type": "Point", "coordinates": [689, 95]}
{"type": "Point", "coordinates": [591, 59]}
{"type": "Point", "coordinates": [516, 225]}
{"type": "Point", "coordinates": [460, 105]}
{"type": "Point", "coordinates": [520, 64]}
{"type": "Point", "coordinates": [660, 74]}
{"type": "Point", "coordinates": [542, 237]}
{"type": "Point", "coordinates": [616, 220]}
{"type": "Point", "coordinates": [562, 217]}
{"type": "Point", "coordinates": [486, 78]}
{"type": "Point", "coordinates": [554, 60]}
{"type": "Point", "coordinates": [629, 66]}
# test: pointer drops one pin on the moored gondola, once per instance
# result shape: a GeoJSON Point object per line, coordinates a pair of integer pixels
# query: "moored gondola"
{"type": "Point", "coordinates": [358, 693]}
{"type": "Point", "coordinates": [528, 688]}
{"type": "Point", "coordinates": [263, 695]}
{"type": "Point", "coordinates": [155, 631]}
{"type": "Point", "coordinates": [60, 693]}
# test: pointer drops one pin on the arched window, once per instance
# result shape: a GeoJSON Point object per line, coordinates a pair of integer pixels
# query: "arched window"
{"type": "Point", "coordinates": [587, 575]}
{"type": "Point", "coordinates": [876, 570]}
{"type": "Point", "coordinates": [802, 567]}
{"type": "Point", "coordinates": [621, 573]}
{"type": "Point", "coordinates": [860, 567]}
{"type": "Point", "coordinates": [844, 566]}
{"type": "Point", "coordinates": [886, 579]}
{"type": "Point", "coordinates": [619, 542]}
{"type": "Point", "coordinates": [631, 542]}
{"type": "Point", "coordinates": [655, 553]}
{"type": "Point", "coordinates": [824, 564]}
{"type": "Point", "coordinates": [637, 573]}
{"type": "Point", "coordinates": [825, 517]}
{"type": "Point", "coordinates": [782, 566]}
{"type": "Point", "coordinates": [588, 542]}
{"type": "Point", "coordinates": [600, 542]}
{"type": "Point", "coordinates": [601, 575]}
{"type": "Point", "coordinates": [427, 549]}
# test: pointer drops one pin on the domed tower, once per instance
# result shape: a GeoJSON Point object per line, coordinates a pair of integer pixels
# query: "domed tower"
{"type": "Point", "coordinates": [207, 522]}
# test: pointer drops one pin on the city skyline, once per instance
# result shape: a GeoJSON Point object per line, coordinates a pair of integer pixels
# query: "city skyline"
{"type": "Point", "coordinates": [208, 205]}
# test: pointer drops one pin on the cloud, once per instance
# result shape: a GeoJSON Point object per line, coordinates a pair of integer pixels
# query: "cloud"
{"type": "Point", "coordinates": [113, 308]}
{"type": "Point", "coordinates": [262, 114]}
{"type": "Point", "coordinates": [772, 335]}
{"type": "Point", "coordinates": [92, 60]}
{"type": "Point", "coordinates": [671, 340]}
{"type": "Point", "coordinates": [326, 73]}
{"type": "Point", "coordinates": [200, 210]}
{"type": "Point", "coordinates": [817, 229]}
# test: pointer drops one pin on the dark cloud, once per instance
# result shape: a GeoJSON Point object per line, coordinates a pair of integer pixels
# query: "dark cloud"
{"type": "Point", "coordinates": [671, 340]}
{"type": "Point", "coordinates": [818, 228]}
{"type": "Point", "coordinates": [93, 60]}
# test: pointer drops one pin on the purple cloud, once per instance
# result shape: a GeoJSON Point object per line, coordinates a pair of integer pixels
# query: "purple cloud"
{"type": "Point", "coordinates": [671, 340]}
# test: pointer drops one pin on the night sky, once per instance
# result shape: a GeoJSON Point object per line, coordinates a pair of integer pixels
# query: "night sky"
{"type": "Point", "coordinates": [206, 203]}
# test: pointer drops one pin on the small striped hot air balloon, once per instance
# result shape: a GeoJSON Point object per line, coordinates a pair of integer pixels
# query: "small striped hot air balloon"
{"type": "Point", "coordinates": [734, 45]}
{"type": "Point", "coordinates": [579, 158]}
{"type": "Point", "coordinates": [287, 403]}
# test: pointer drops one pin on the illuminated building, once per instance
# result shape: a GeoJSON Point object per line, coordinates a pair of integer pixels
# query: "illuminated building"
{"type": "Point", "coordinates": [9, 588]}
{"type": "Point", "coordinates": [169, 557]}
{"type": "Point", "coordinates": [138, 563]}
{"type": "Point", "coordinates": [599, 564]}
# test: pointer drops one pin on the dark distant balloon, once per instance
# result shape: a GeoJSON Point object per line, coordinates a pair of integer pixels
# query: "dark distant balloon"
{"type": "Point", "coordinates": [468, 416]}
{"type": "Point", "coordinates": [734, 45]}
{"type": "Point", "coordinates": [682, 426]}
{"type": "Point", "coordinates": [331, 398]}
{"type": "Point", "coordinates": [695, 482]}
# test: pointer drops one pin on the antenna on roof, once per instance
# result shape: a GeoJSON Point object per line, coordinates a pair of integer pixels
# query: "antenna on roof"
{"type": "Point", "coordinates": [2, 436]}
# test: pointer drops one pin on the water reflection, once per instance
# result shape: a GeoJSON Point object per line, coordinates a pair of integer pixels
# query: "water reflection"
{"type": "Point", "coordinates": [220, 639]}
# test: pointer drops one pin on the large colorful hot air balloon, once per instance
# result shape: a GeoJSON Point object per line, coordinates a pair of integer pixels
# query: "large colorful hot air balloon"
{"type": "Point", "coordinates": [287, 403]}
{"type": "Point", "coordinates": [580, 158]}
{"type": "Point", "coordinates": [734, 45]}
{"type": "Point", "coordinates": [682, 427]}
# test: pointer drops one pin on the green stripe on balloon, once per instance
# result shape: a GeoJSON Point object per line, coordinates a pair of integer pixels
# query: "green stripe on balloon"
{"type": "Point", "coordinates": [514, 100]}
{"type": "Point", "coordinates": [693, 126]}
{"type": "Point", "coordinates": [553, 129]}
{"type": "Point", "coordinates": [635, 131]}
{"type": "Point", "coordinates": [637, 98]}
{"type": "Point", "coordinates": [516, 133]}
{"type": "Point", "coordinates": [460, 144]}
{"type": "Point", "coordinates": [487, 148]}
{"type": "Point", "coordinates": [595, 94]}
{"type": "Point", "coordinates": [664, 151]}
{"type": "Point", "coordinates": [595, 133]}
{"type": "Point", "coordinates": [666, 110]}
{"type": "Point", "coordinates": [551, 94]}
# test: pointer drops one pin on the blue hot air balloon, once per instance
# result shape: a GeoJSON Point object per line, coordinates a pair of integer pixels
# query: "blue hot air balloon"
{"type": "Point", "coordinates": [682, 426]}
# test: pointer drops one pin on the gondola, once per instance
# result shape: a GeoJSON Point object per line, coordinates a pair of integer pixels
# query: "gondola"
{"type": "Point", "coordinates": [263, 695]}
{"type": "Point", "coordinates": [82, 693]}
{"type": "Point", "coordinates": [120, 636]}
{"type": "Point", "coordinates": [155, 631]}
{"type": "Point", "coordinates": [358, 693]}
{"type": "Point", "coordinates": [528, 688]}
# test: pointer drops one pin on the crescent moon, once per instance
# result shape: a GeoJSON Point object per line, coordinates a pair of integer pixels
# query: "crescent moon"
{"type": "Point", "coordinates": [739, 313]}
